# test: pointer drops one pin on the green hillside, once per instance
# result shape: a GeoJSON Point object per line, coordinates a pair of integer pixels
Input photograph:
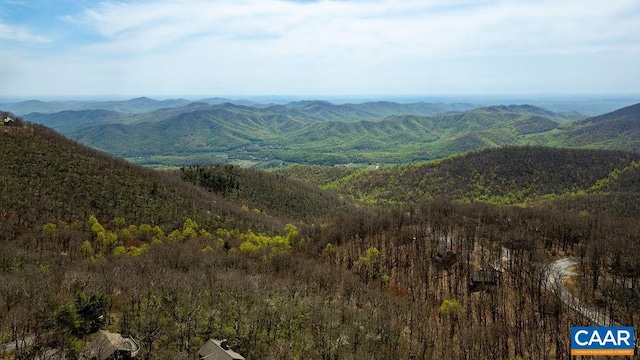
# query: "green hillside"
{"type": "Point", "coordinates": [315, 174]}
{"type": "Point", "coordinates": [402, 139]}
{"type": "Point", "coordinates": [46, 177]}
{"type": "Point", "coordinates": [510, 175]}
{"type": "Point", "coordinates": [326, 111]}
{"type": "Point", "coordinates": [534, 124]}
{"type": "Point", "coordinates": [269, 193]}
{"type": "Point", "coordinates": [311, 132]}
{"type": "Point", "coordinates": [595, 181]}
{"type": "Point", "coordinates": [619, 129]}
{"type": "Point", "coordinates": [199, 131]}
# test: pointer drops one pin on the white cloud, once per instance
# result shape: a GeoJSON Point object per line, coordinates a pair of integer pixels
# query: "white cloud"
{"type": "Point", "coordinates": [19, 33]}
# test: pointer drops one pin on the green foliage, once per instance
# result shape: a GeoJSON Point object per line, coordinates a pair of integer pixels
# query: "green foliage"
{"type": "Point", "coordinates": [87, 249]}
{"type": "Point", "coordinates": [175, 235]}
{"type": "Point", "coordinates": [292, 233]}
{"type": "Point", "coordinates": [77, 319]}
{"type": "Point", "coordinates": [138, 250]}
{"type": "Point", "coordinates": [532, 124]}
{"type": "Point", "coordinates": [267, 246]}
{"type": "Point", "coordinates": [107, 239]}
{"type": "Point", "coordinates": [371, 257]}
{"type": "Point", "coordinates": [66, 318]}
{"type": "Point", "coordinates": [190, 229]}
{"type": "Point", "coordinates": [119, 222]}
{"type": "Point", "coordinates": [216, 179]}
{"type": "Point", "coordinates": [119, 251]}
{"type": "Point", "coordinates": [95, 226]}
{"type": "Point", "coordinates": [369, 264]}
{"type": "Point", "coordinates": [329, 250]}
{"type": "Point", "coordinates": [208, 249]}
{"type": "Point", "coordinates": [50, 230]}
{"type": "Point", "coordinates": [274, 136]}
{"type": "Point", "coordinates": [450, 307]}
{"type": "Point", "coordinates": [92, 310]}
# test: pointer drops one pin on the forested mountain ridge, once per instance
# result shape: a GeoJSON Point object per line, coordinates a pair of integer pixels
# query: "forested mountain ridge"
{"type": "Point", "coordinates": [314, 132]}
{"type": "Point", "coordinates": [47, 177]}
{"type": "Point", "coordinates": [306, 111]}
{"type": "Point", "coordinates": [618, 129]}
{"type": "Point", "coordinates": [508, 175]}
{"type": "Point", "coordinates": [326, 111]}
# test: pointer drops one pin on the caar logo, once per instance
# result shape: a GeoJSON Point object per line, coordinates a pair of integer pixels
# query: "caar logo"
{"type": "Point", "coordinates": [598, 340]}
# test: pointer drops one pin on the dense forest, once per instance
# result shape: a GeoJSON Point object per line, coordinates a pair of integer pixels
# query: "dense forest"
{"type": "Point", "coordinates": [596, 181]}
{"type": "Point", "coordinates": [282, 268]}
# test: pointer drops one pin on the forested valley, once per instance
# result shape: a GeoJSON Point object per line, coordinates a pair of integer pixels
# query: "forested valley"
{"type": "Point", "coordinates": [446, 260]}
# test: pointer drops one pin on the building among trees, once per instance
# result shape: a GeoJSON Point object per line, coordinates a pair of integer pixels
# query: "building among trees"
{"type": "Point", "coordinates": [111, 346]}
{"type": "Point", "coordinates": [484, 279]}
{"type": "Point", "coordinates": [218, 350]}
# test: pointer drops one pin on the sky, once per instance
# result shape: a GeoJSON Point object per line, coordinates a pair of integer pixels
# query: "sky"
{"type": "Point", "coordinates": [326, 47]}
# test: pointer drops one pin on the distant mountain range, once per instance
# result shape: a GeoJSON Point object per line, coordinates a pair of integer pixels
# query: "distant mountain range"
{"type": "Point", "coordinates": [178, 132]}
{"type": "Point", "coordinates": [589, 105]}
{"type": "Point", "coordinates": [141, 104]}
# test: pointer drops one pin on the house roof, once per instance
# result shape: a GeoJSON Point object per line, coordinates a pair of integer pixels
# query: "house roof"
{"type": "Point", "coordinates": [213, 350]}
{"type": "Point", "coordinates": [485, 276]}
{"type": "Point", "coordinates": [105, 343]}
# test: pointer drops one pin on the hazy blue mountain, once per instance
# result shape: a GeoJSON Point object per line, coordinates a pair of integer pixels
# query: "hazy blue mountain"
{"type": "Point", "coordinates": [29, 106]}
{"type": "Point", "coordinates": [219, 100]}
{"type": "Point", "coordinates": [70, 120]}
{"type": "Point", "coordinates": [137, 105]}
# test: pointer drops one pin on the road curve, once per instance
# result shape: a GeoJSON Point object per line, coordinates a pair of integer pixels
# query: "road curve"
{"type": "Point", "coordinates": [555, 275]}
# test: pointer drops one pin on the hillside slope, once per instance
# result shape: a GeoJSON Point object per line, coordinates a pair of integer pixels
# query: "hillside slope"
{"type": "Point", "coordinates": [619, 129]}
{"type": "Point", "coordinates": [47, 177]}
{"type": "Point", "coordinates": [509, 175]}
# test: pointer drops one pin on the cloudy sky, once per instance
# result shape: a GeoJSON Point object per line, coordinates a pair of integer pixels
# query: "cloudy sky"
{"type": "Point", "coordinates": [330, 47]}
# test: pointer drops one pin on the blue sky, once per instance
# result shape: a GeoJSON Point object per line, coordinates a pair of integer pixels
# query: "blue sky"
{"type": "Point", "coordinates": [326, 47]}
